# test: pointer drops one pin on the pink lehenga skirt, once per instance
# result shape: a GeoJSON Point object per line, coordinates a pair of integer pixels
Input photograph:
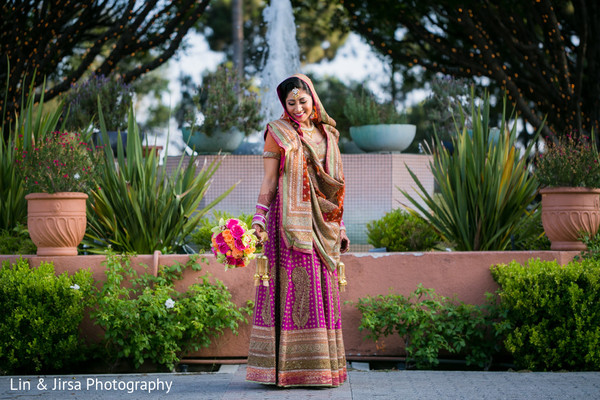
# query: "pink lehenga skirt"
{"type": "Point", "coordinates": [296, 337]}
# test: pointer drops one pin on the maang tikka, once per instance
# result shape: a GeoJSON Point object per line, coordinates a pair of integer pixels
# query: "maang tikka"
{"type": "Point", "coordinates": [295, 93]}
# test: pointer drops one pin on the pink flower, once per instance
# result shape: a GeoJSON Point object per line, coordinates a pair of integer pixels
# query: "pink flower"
{"type": "Point", "coordinates": [239, 244]}
{"type": "Point", "coordinates": [232, 222]}
{"type": "Point", "coordinates": [231, 260]}
{"type": "Point", "coordinates": [237, 231]}
{"type": "Point", "coordinates": [220, 239]}
{"type": "Point", "coordinates": [223, 248]}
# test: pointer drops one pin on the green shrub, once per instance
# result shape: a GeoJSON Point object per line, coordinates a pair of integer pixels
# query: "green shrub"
{"type": "Point", "coordinates": [147, 319]}
{"type": "Point", "coordinates": [485, 184]}
{"type": "Point", "coordinates": [400, 231]}
{"type": "Point", "coordinates": [592, 252]}
{"type": "Point", "coordinates": [365, 110]}
{"type": "Point", "coordinates": [82, 102]}
{"type": "Point", "coordinates": [429, 324]}
{"type": "Point", "coordinates": [201, 237]}
{"type": "Point", "coordinates": [40, 315]}
{"type": "Point", "coordinates": [552, 313]}
{"type": "Point", "coordinates": [16, 241]}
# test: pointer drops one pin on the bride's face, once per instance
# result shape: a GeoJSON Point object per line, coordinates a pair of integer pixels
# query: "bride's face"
{"type": "Point", "coordinates": [299, 104]}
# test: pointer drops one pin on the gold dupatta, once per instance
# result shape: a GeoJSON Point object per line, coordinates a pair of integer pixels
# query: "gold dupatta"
{"type": "Point", "coordinates": [311, 194]}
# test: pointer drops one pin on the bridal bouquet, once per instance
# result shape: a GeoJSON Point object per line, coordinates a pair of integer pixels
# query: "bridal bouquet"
{"type": "Point", "coordinates": [233, 243]}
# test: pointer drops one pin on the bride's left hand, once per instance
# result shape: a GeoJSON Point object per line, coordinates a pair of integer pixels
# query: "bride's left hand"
{"type": "Point", "coordinates": [345, 245]}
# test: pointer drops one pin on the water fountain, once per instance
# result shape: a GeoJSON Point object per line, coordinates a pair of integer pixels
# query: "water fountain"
{"type": "Point", "coordinates": [281, 60]}
{"type": "Point", "coordinates": [283, 57]}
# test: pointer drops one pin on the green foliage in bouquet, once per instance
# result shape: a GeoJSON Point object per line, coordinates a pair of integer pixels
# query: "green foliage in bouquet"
{"type": "Point", "coordinates": [201, 236]}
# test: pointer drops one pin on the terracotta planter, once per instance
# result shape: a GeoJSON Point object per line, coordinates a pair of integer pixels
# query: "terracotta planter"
{"type": "Point", "coordinates": [56, 222]}
{"type": "Point", "coordinates": [567, 212]}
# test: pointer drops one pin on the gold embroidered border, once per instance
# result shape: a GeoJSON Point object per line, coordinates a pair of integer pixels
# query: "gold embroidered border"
{"type": "Point", "coordinates": [266, 309]}
{"type": "Point", "coordinates": [312, 378]}
{"type": "Point", "coordinates": [261, 352]}
{"type": "Point", "coordinates": [284, 281]}
{"type": "Point", "coordinates": [311, 349]}
{"type": "Point", "coordinates": [336, 298]}
{"type": "Point", "coordinates": [301, 309]}
{"type": "Point", "coordinates": [260, 375]}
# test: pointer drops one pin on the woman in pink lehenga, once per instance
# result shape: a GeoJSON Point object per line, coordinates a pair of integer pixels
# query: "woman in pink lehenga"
{"type": "Point", "coordinates": [296, 337]}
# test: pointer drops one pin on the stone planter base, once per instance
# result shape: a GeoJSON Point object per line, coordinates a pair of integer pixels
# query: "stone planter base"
{"type": "Point", "coordinates": [464, 274]}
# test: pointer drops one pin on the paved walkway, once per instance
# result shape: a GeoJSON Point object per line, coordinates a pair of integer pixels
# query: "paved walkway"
{"type": "Point", "coordinates": [229, 384]}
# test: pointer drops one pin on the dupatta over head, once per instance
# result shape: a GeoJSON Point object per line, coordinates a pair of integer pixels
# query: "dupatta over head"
{"type": "Point", "coordinates": [312, 192]}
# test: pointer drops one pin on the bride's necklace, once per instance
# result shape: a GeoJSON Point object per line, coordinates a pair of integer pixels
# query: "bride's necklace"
{"type": "Point", "coordinates": [310, 131]}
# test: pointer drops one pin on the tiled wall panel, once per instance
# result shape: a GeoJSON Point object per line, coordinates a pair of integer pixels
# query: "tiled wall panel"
{"type": "Point", "coordinates": [371, 186]}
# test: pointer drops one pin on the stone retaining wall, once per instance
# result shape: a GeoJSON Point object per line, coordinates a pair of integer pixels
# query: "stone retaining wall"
{"type": "Point", "coordinates": [463, 274]}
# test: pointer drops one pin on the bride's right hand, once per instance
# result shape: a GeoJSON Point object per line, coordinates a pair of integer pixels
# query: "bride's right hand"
{"type": "Point", "coordinates": [260, 233]}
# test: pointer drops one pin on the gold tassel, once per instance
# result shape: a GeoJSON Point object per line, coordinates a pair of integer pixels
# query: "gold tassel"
{"type": "Point", "coordinates": [342, 276]}
{"type": "Point", "coordinates": [265, 279]}
{"type": "Point", "coordinates": [256, 279]}
{"type": "Point", "coordinates": [262, 271]}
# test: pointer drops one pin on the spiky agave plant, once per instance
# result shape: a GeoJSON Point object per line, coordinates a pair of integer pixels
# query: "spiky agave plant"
{"type": "Point", "coordinates": [486, 184]}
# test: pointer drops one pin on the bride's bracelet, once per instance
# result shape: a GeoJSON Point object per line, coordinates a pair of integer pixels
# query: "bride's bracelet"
{"type": "Point", "coordinates": [260, 220]}
{"type": "Point", "coordinates": [262, 207]}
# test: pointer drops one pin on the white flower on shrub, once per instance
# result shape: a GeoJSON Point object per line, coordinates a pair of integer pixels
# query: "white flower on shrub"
{"type": "Point", "coordinates": [169, 303]}
{"type": "Point", "coordinates": [76, 176]}
{"type": "Point", "coordinates": [75, 287]}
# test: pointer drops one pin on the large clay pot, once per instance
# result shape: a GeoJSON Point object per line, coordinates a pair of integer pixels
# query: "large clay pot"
{"type": "Point", "coordinates": [56, 222]}
{"type": "Point", "coordinates": [567, 213]}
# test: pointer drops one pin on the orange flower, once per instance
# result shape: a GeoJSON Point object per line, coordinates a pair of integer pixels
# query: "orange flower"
{"type": "Point", "coordinates": [237, 253]}
{"type": "Point", "coordinates": [229, 238]}
{"type": "Point", "coordinates": [249, 250]}
{"type": "Point", "coordinates": [227, 234]}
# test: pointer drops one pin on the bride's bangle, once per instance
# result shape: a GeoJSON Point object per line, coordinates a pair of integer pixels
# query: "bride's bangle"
{"type": "Point", "coordinates": [262, 207]}
{"type": "Point", "coordinates": [260, 220]}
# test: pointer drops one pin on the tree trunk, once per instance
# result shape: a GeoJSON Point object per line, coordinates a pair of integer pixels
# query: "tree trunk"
{"type": "Point", "coordinates": [238, 36]}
